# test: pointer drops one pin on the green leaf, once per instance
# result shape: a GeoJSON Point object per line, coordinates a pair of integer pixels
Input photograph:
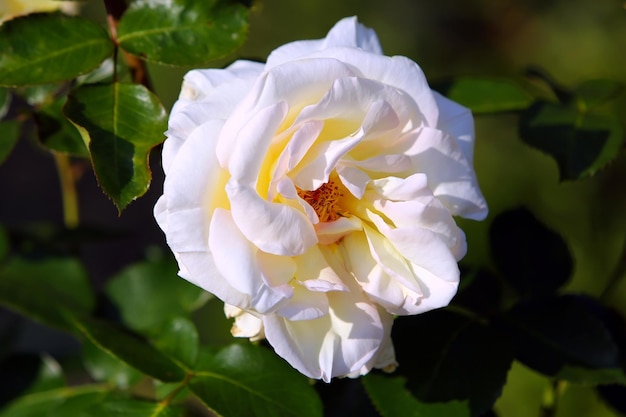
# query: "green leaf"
{"type": "Point", "coordinates": [150, 293]}
{"type": "Point", "coordinates": [446, 356]}
{"type": "Point", "coordinates": [62, 402]}
{"type": "Point", "coordinates": [581, 142]}
{"type": "Point", "coordinates": [127, 407]}
{"type": "Point", "coordinates": [250, 381]}
{"type": "Point", "coordinates": [182, 32]}
{"type": "Point", "coordinates": [42, 290]}
{"type": "Point", "coordinates": [163, 390]}
{"type": "Point", "coordinates": [597, 92]}
{"type": "Point", "coordinates": [50, 47]}
{"type": "Point", "coordinates": [129, 348]}
{"type": "Point", "coordinates": [391, 398]}
{"type": "Point", "coordinates": [178, 339]}
{"type": "Point", "coordinates": [121, 123]}
{"type": "Point", "coordinates": [9, 134]}
{"type": "Point", "coordinates": [103, 367]}
{"type": "Point", "coordinates": [489, 95]}
{"type": "Point", "coordinates": [479, 291]}
{"type": "Point", "coordinates": [56, 133]}
{"type": "Point", "coordinates": [532, 258]}
{"type": "Point", "coordinates": [566, 337]}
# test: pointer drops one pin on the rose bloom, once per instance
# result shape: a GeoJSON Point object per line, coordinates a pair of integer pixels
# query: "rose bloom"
{"type": "Point", "coordinates": [315, 194]}
{"type": "Point", "coordinates": [14, 8]}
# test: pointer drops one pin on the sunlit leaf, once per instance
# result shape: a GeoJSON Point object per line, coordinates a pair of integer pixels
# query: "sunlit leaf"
{"type": "Point", "coordinates": [129, 348]}
{"type": "Point", "coordinates": [565, 337]}
{"type": "Point", "coordinates": [392, 399]}
{"type": "Point", "coordinates": [50, 47]}
{"type": "Point", "coordinates": [150, 293]}
{"type": "Point", "coordinates": [250, 381]}
{"type": "Point", "coordinates": [182, 32]}
{"type": "Point", "coordinates": [57, 133]}
{"type": "Point", "coordinates": [489, 95]}
{"type": "Point", "coordinates": [121, 123]}
{"type": "Point", "coordinates": [178, 338]}
{"type": "Point", "coordinates": [43, 289]}
{"type": "Point", "coordinates": [9, 134]}
{"type": "Point", "coordinates": [532, 258]}
{"type": "Point", "coordinates": [103, 367]}
{"type": "Point", "coordinates": [62, 402]}
{"type": "Point", "coordinates": [580, 142]}
{"type": "Point", "coordinates": [461, 359]}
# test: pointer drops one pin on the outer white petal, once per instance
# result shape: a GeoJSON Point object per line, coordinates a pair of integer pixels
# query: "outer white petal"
{"type": "Point", "coordinates": [347, 32]}
{"type": "Point", "coordinates": [385, 358]}
{"type": "Point", "coordinates": [214, 94]}
{"type": "Point", "coordinates": [450, 174]}
{"type": "Point", "coordinates": [202, 85]}
{"type": "Point", "coordinates": [458, 122]}
{"type": "Point", "coordinates": [191, 188]}
{"type": "Point", "coordinates": [342, 342]}
{"type": "Point", "coordinates": [236, 260]}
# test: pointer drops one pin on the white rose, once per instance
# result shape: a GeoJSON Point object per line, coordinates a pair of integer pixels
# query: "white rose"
{"type": "Point", "coordinates": [10, 9]}
{"type": "Point", "coordinates": [314, 195]}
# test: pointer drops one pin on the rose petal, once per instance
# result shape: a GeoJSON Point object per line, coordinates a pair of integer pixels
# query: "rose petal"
{"type": "Point", "coordinates": [450, 174]}
{"type": "Point", "coordinates": [458, 122]}
{"type": "Point", "coordinates": [304, 305]}
{"type": "Point", "coordinates": [236, 260]}
{"type": "Point", "coordinates": [344, 341]}
{"type": "Point", "coordinates": [432, 260]}
{"type": "Point", "coordinates": [383, 289]}
{"type": "Point", "coordinates": [244, 152]}
{"type": "Point", "coordinates": [398, 71]}
{"type": "Point", "coordinates": [272, 227]}
{"type": "Point", "coordinates": [347, 32]}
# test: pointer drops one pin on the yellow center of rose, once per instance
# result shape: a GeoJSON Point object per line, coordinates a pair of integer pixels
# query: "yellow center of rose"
{"type": "Point", "coordinates": [324, 200]}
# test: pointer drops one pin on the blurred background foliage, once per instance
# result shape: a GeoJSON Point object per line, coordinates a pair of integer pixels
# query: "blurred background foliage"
{"type": "Point", "coordinates": [572, 40]}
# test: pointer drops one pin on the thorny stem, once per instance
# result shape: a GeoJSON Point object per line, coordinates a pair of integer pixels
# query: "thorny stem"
{"type": "Point", "coordinates": [68, 190]}
{"type": "Point", "coordinates": [115, 9]}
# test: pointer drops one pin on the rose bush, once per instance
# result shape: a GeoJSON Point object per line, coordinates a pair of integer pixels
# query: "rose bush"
{"type": "Point", "coordinates": [315, 194]}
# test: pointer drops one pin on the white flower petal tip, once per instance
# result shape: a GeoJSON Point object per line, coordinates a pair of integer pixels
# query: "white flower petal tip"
{"type": "Point", "coordinates": [315, 195]}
